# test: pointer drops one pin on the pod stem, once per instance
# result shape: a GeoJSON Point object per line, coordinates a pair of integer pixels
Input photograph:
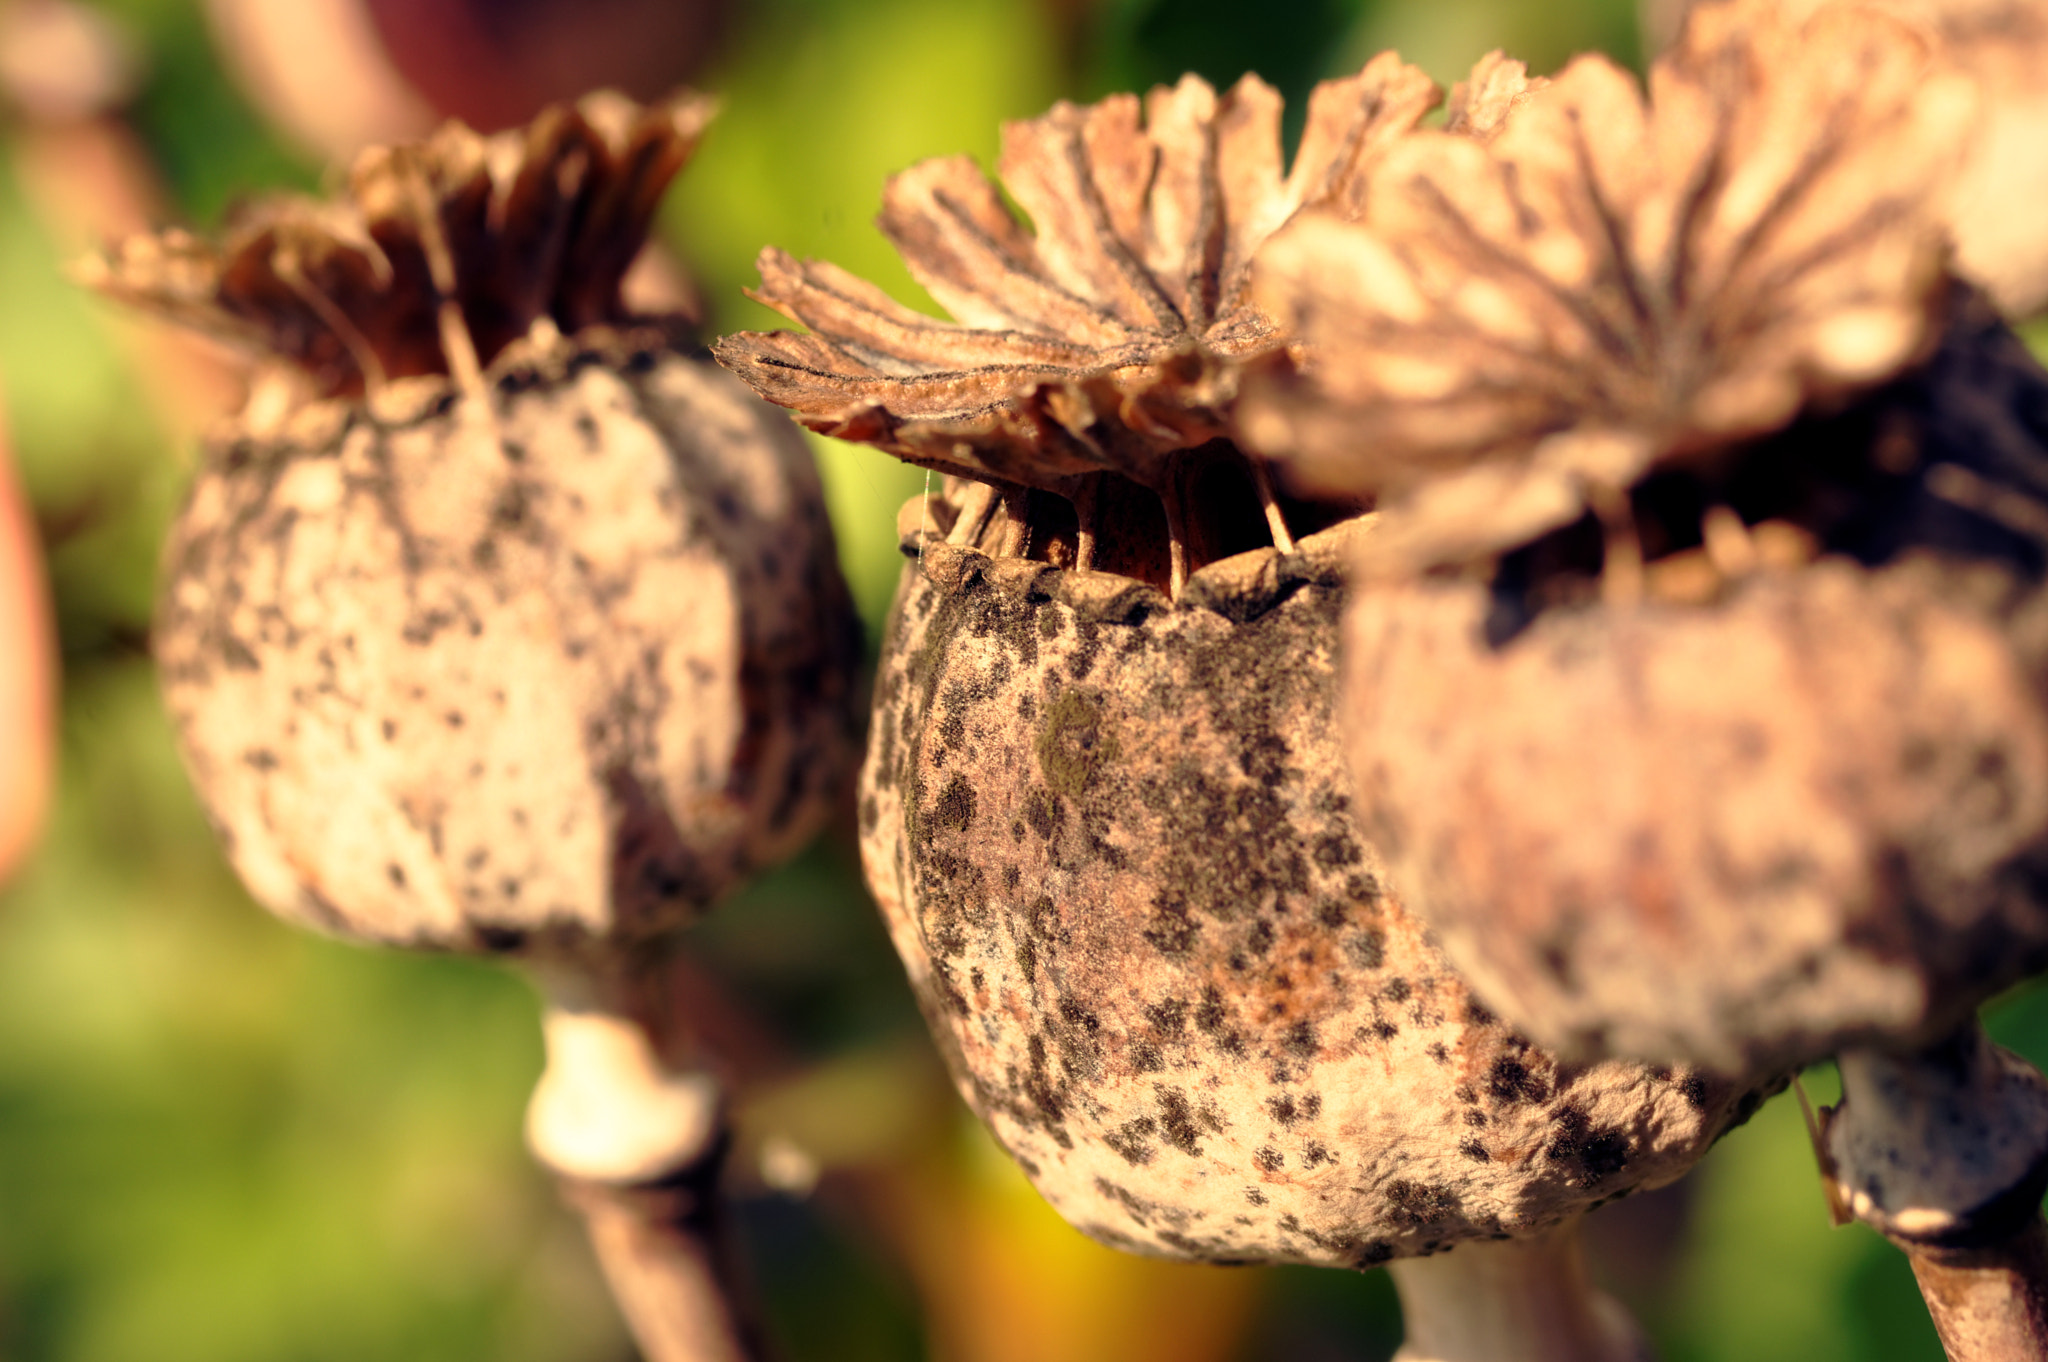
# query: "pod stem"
{"type": "Point", "coordinates": [1512, 1300]}
{"type": "Point", "coordinates": [638, 1142]}
{"type": "Point", "coordinates": [1945, 1152]}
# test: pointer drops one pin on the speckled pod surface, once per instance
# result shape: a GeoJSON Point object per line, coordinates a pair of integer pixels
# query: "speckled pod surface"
{"type": "Point", "coordinates": [1821, 804]}
{"type": "Point", "coordinates": [561, 664]}
{"type": "Point", "coordinates": [1114, 844]}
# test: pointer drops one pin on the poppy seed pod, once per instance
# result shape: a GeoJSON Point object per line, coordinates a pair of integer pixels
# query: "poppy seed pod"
{"type": "Point", "coordinates": [1741, 574]}
{"type": "Point", "coordinates": [1115, 845]}
{"type": "Point", "coordinates": [501, 622]}
{"type": "Point", "coordinates": [1696, 675]}
{"type": "Point", "coordinates": [1104, 808]}
{"type": "Point", "coordinates": [513, 648]}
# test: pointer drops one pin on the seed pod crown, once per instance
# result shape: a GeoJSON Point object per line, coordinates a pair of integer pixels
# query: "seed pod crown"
{"type": "Point", "coordinates": [529, 224]}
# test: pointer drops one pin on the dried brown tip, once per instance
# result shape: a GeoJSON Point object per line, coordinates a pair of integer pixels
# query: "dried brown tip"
{"type": "Point", "coordinates": [1108, 337]}
{"type": "Point", "coordinates": [1613, 282]}
{"type": "Point", "coordinates": [528, 225]}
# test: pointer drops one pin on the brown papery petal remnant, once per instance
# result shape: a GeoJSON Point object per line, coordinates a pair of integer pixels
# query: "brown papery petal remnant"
{"type": "Point", "coordinates": [1612, 282]}
{"type": "Point", "coordinates": [1994, 212]}
{"type": "Point", "coordinates": [537, 223]}
{"type": "Point", "coordinates": [1106, 339]}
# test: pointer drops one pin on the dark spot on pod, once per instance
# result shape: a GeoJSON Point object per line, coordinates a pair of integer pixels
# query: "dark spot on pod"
{"type": "Point", "coordinates": [500, 940]}
{"type": "Point", "coordinates": [1367, 949]}
{"type": "Point", "coordinates": [1173, 930]}
{"type": "Point", "coordinates": [1397, 990]}
{"type": "Point", "coordinates": [1510, 1080]}
{"type": "Point", "coordinates": [1385, 1030]}
{"type": "Point", "coordinates": [1209, 1017]}
{"type": "Point", "coordinates": [1075, 1015]}
{"type": "Point", "coordinates": [1336, 849]}
{"type": "Point", "coordinates": [1043, 813]}
{"type": "Point", "coordinates": [1600, 1152]}
{"type": "Point", "coordinates": [1130, 1141]}
{"type": "Point", "coordinates": [1283, 1109]}
{"type": "Point", "coordinates": [1373, 1253]}
{"type": "Point", "coordinates": [1439, 1052]}
{"type": "Point", "coordinates": [1177, 1121]}
{"type": "Point", "coordinates": [1475, 1117]}
{"type": "Point", "coordinates": [1476, 1014]}
{"type": "Point", "coordinates": [1474, 1151]}
{"type": "Point", "coordinates": [955, 807]}
{"type": "Point", "coordinates": [1255, 1196]}
{"type": "Point", "coordinates": [395, 872]}
{"type": "Point", "coordinates": [1145, 1058]}
{"type": "Point", "coordinates": [1420, 1203]}
{"type": "Point", "coordinates": [1300, 1040]}
{"type": "Point", "coordinates": [1694, 1089]}
{"type": "Point", "coordinates": [1170, 1015]}
{"type": "Point", "coordinates": [977, 979]}
{"type": "Point", "coordinates": [1268, 1159]}
{"type": "Point", "coordinates": [1012, 877]}
{"type": "Point", "coordinates": [1027, 958]}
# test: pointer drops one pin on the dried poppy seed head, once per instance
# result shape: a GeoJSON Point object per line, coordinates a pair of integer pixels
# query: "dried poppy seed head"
{"type": "Point", "coordinates": [1519, 327]}
{"type": "Point", "coordinates": [1105, 345]}
{"type": "Point", "coordinates": [542, 640]}
{"type": "Point", "coordinates": [532, 226]}
{"type": "Point", "coordinates": [1696, 684]}
{"type": "Point", "coordinates": [1113, 840]}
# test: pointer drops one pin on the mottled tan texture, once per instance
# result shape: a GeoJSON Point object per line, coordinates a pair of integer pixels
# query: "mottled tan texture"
{"type": "Point", "coordinates": [1114, 844]}
{"type": "Point", "coordinates": [566, 667]}
{"type": "Point", "coordinates": [1518, 327]}
{"type": "Point", "coordinates": [1798, 805]}
{"type": "Point", "coordinates": [1106, 338]}
{"type": "Point", "coordinates": [1808, 816]}
{"type": "Point", "coordinates": [537, 223]}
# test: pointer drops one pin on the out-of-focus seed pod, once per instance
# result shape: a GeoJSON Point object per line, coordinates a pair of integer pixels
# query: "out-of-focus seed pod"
{"type": "Point", "coordinates": [551, 654]}
{"type": "Point", "coordinates": [1992, 210]}
{"type": "Point", "coordinates": [1777, 675]}
{"type": "Point", "coordinates": [1698, 678]}
{"type": "Point", "coordinates": [1104, 807]}
{"type": "Point", "coordinates": [500, 621]}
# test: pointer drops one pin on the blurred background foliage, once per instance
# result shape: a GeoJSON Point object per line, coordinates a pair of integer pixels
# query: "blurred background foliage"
{"type": "Point", "coordinates": [225, 1141]}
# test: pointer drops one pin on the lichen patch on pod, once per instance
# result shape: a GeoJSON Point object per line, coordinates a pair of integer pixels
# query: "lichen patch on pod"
{"type": "Point", "coordinates": [1117, 851]}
